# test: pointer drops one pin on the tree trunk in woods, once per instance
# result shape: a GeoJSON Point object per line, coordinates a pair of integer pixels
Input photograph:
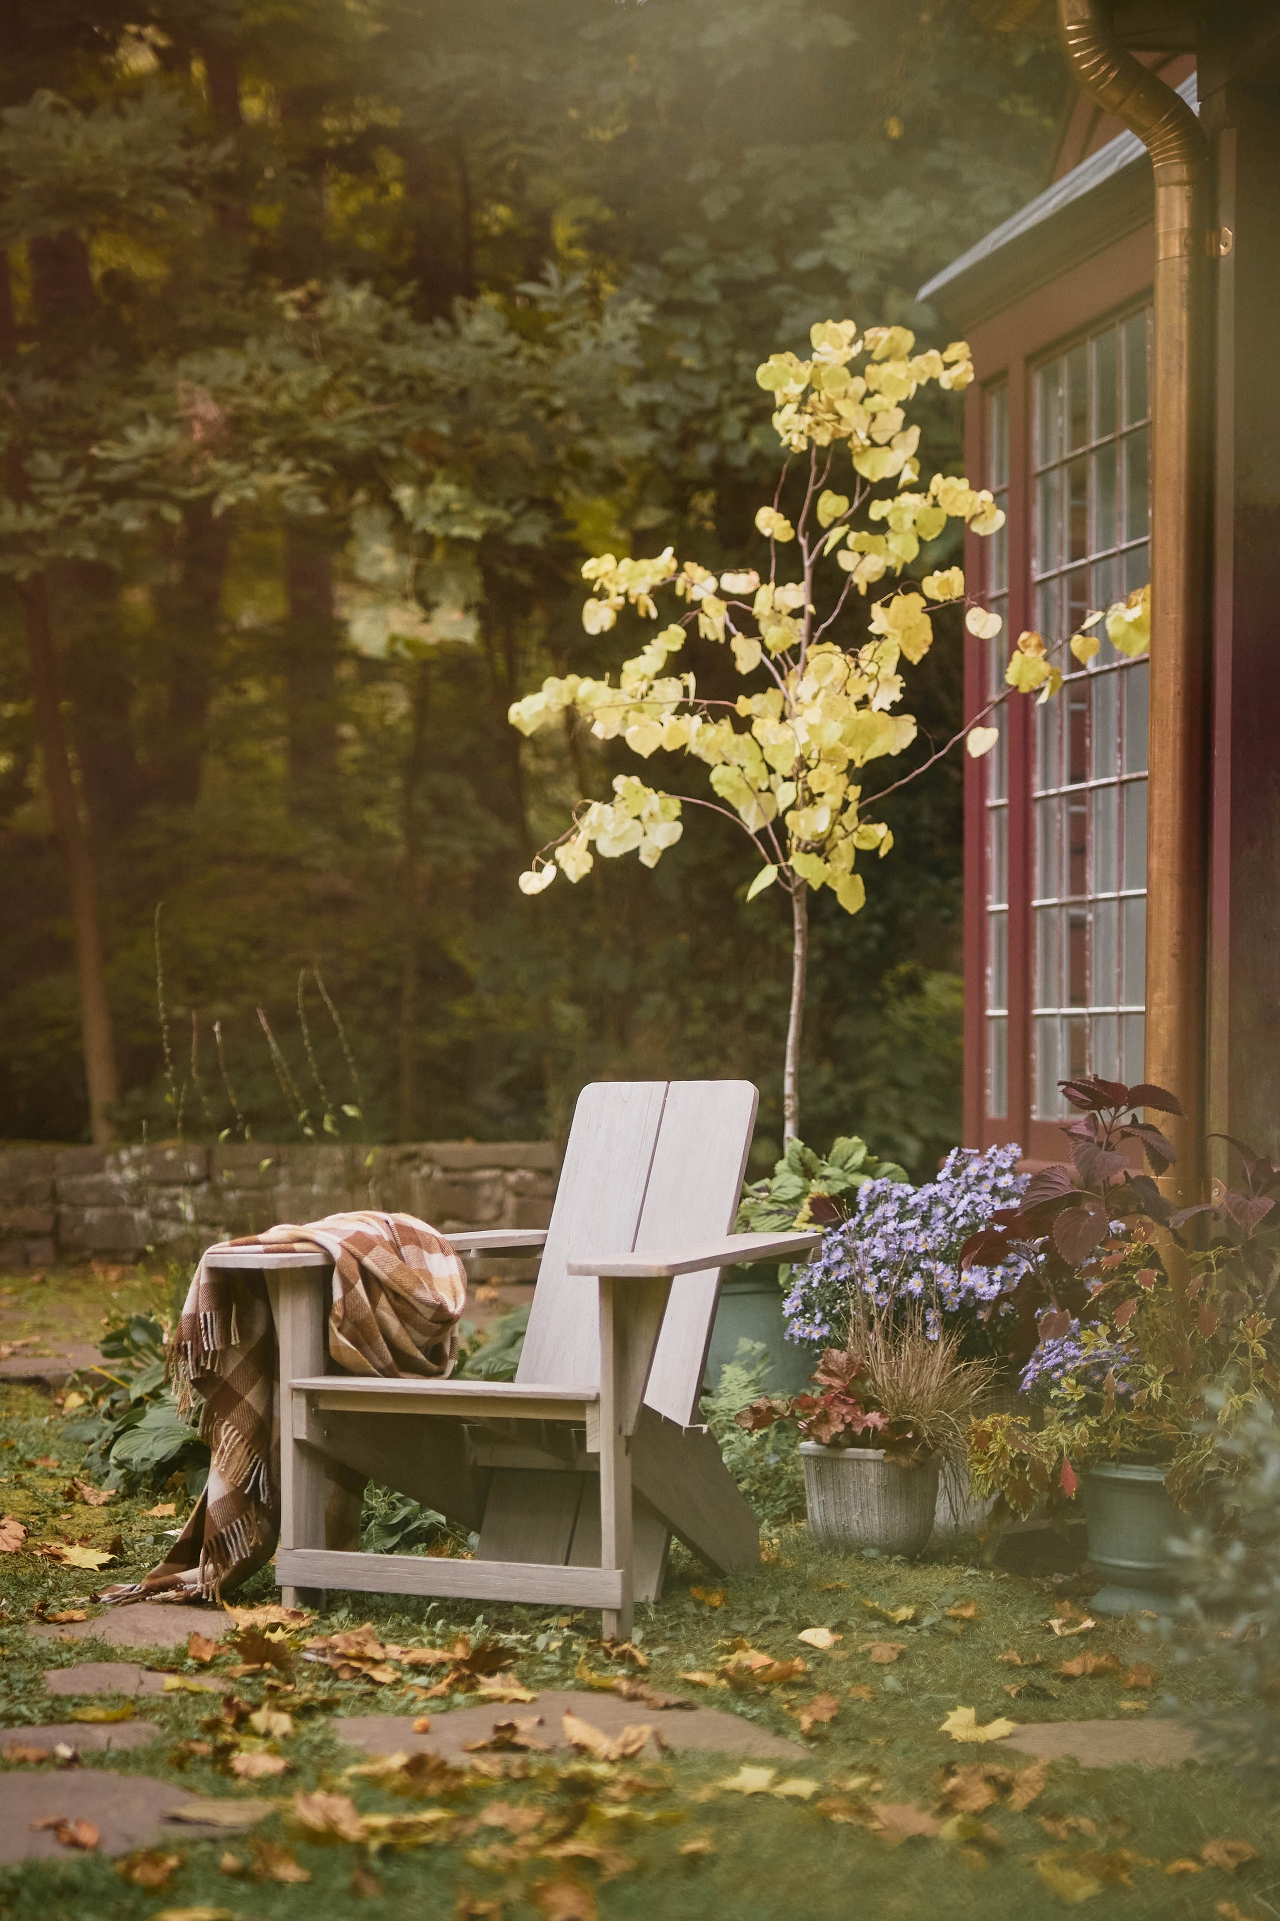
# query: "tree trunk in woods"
{"type": "Point", "coordinates": [98, 685]}
{"type": "Point", "coordinates": [189, 611]}
{"type": "Point", "coordinates": [95, 1011]}
{"type": "Point", "coordinates": [795, 1023]}
{"type": "Point", "coordinates": [86, 920]}
{"type": "Point", "coordinates": [311, 645]}
{"type": "Point", "coordinates": [417, 883]}
{"type": "Point", "coordinates": [438, 190]}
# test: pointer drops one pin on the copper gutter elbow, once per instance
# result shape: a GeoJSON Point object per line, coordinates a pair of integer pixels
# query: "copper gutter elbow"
{"type": "Point", "coordinates": [1177, 829]}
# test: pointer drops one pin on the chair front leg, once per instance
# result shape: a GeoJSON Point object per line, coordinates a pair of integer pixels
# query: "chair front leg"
{"type": "Point", "coordinates": [630, 1321]}
{"type": "Point", "coordinates": [300, 1306]}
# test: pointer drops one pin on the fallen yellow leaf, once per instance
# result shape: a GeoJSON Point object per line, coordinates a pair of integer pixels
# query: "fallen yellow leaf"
{"type": "Point", "coordinates": [1066, 1882]}
{"type": "Point", "coordinates": [750, 1781]}
{"type": "Point", "coordinates": [1228, 1855]}
{"type": "Point", "coordinates": [962, 1725]}
{"type": "Point", "coordinates": [257, 1767]}
{"type": "Point", "coordinates": [962, 1611]}
{"type": "Point", "coordinates": [712, 1597]}
{"type": "Point", "coordinates": [823, 1708]}
{"type": "Point", "coordinates": [895, 1616]}
{"type": "Point", "coordinates": [881, 1653]}
{"type": "Point", "coordinates": [818, 1637]}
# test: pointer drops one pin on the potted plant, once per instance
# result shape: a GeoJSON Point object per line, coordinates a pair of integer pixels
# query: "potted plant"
{"type": "Point", "coordinates": [900, 1248]}
{"type": "Point", "coordinates": [887, 1409]}
{"type": "Point", "coordinates": [805, 1189]}
{"type": "Point", "coordinates": [1148, 1345]}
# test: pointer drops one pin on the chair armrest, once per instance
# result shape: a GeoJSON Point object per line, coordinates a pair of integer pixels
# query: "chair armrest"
{"type": "Point", "coordinates": [665, 1264]}
{"type": "Point", "coordinates": [491, 1240]}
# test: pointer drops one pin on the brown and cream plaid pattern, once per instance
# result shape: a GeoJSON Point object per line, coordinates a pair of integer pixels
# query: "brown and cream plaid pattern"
{"type": "Point", "coordinates": [398, 1293]}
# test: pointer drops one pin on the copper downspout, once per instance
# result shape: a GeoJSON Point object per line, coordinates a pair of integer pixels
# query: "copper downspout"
{"type": "Point", "coordinates": [1177, 829]}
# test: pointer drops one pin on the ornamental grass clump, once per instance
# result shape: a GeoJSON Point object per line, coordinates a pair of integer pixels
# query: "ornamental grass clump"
{"type": "Point", "coordinates": [897, 1386]}
{"type": "Point", "coordinates": [900, 1250]}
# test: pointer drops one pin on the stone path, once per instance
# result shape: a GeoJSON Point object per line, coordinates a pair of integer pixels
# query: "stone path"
{"type": "Point", "coordinates": [1108, 1744]}
{"type": "Point", "coordinates": [144, 1624]}
{"type": "Point", "coordinates": [682, 1728]}
{"type": "Point", "coordinates": [86, 1736]}
{"type": "Point", "coordinates": [128, 1810]}
{"type": "Point", "coordinates": [51, 1369]}
{"type": "Point", "coordinates": [115, 1677]}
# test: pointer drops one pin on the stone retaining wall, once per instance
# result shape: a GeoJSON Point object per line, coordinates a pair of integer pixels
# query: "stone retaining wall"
{"type": "Point", "coordinates": [72, 1203]}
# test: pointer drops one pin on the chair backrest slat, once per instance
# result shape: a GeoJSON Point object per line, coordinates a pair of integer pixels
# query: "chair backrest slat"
{"type": "Point", "coordinates": [597, 1209]}
{"type": "Point", "coordinates": [648, 1164]}
{"type": "Point", "coordinates": [692, 1196]}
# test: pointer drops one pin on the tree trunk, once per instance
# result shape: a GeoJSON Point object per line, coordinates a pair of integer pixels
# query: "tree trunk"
{"type": "Point", "coordinates": [417, 881]}
{"type": "Point", "coordinates": [188, 607]}
{"type": "Point", "coordinates": [99, 687]}
{"type": "Point", "coordinates": [311, 646]}
{"type": "Point", "coordinates": [795, 1024]}
{"type": "Point", "coordinates": [95, 1011]}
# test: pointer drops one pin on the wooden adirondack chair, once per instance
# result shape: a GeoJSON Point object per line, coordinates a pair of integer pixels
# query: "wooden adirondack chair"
{"type": "Point", "coordinates": [577, 1473]}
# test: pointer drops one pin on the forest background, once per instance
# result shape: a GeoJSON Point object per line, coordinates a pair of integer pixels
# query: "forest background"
{"type": "Point", "coordinates": [334, 335]}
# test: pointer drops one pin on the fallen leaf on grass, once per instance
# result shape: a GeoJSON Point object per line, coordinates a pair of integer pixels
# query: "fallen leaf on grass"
{"type": "Point", "coordinates": [187, 1684]}
{"type": "Point", "coordinates": [1034, 1691]}
{"type": "Point", "coordinates": [209, 1811]}
{"type": "Point", "coordinates": [508, 1692]}
{"type": "Point", "coordinates": [271, 1862]}
{"type": "Point", "coordinates": [87, 1494]}
{"type": "Point", "coordinates": [1065, 1881]}
{"type": "Point", "coordinates": [75, 1555]}
{"type": "Point", "coordinates": [162, 1511]}
{"type": "Point", "coordinates": [18, 1754]}
{"type": "Point", "coordinates": [1088, 1666]}
{"type": "Point", "coordinates": [66, 1614]}
{"type": "Point", "coordinates": [610, 1861]}
{"type": "Point", "coordinates": [1228, 1855]}
{"type": "Point", "coordinates": [1230, 1912]}
{"type": "Point", "coordinates": [423, 1724]}
{"type": "Point", "coordinates": [272, 1723]}
{"type": "Point", "coordinates": [749, 1780]}
{"type": "Point", "coordinates": [328, 1817]}
{"type": "Point", "coordinates": [829, 1587]}
{"type": "Point", "coordinates": [697, 1849]}
{"type": "Point", "coordinates": [1063, 1827]}
{"type": "Point", "coordinates": [710, 1597]}
{"type": "Point", "coordinates": [12, 1534]}
{"type": "Point", "coordinates": [148, 1868]}
{"type": "Point", "coordinates": [895, 1616]}
{"type": "Point", "coordinates": [69, 1833]}
{"type": "Point", "coordinates": [818, 1637]}
{"type": "Point", "coordinates": [564, 1900]}
{"type": "Point", "coordinates": [270, 1615]}
{"type": "Point", "coordinates": [1184, 1866]}
{"type": "Point", "coordinates": [1140, 1675]}
{"type": "Point", "coordinates": [588, 1739]}
{"type": "Point", "coordinates": [516, 1819]}
{"type": "Point", "coordinates": [98, 1711]}
{"type": "Point", "coordinates": [405, 1773]}
{"type": "Point", "coordinates": [700, 1678]}
{"type": "Point", "coordinates": [962, 1725]}
{"type": "Point", "coordinates": [258, 1767]}
{"type": "Point", "coordinates": [962, 1611]}
{"type": "Point", "coordinates": [632, 1690]}
{"type": "Point", "coordinates": [1114, 1866]}
{"type": "Point", "coordinates": [846, 1812]}
{"type": "Point", "coordinates": [367, 1887]}
{"type": "Point", "coordinates": [1028, 1785]}
{"type": "Point", "coordinates": [1012, 1659]}
{"type": "Point", "coordinates": [881, 1653]}
{"type": "Point", "coordinates": [977, 1786]}
{"type": "Point", "coordinates": [193, 1914]}
{"type": "Point", "coordinates": [904, 1821]}
{"type": "Point", "coordinates": [796, 1789]}
{"type": "Point", "coordinates": [861, 1692]}
{"type": "Point", "coordinates": [1064, 1627]}
{"type": "Point", "coordinates": [815, 1713]}
{"type": "Point", "coordinates": [966, 1830]}
{"type": "Point", "coordinates": [201, 1648]}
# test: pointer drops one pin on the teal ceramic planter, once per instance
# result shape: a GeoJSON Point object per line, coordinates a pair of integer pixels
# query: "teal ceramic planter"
{"type": "Point", "coordinates": [751, 1309]}
{"type": "Point", "coordinates": [1131, 1519]}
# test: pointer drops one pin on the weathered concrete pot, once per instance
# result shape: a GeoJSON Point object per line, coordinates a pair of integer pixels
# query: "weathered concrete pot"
{"type": "Point", "coordinates": [1131, 1519]}
{"type": "Point", "coordinates": [750, 1309]}
{"type": "Point", "coordinates": [857, 1498]}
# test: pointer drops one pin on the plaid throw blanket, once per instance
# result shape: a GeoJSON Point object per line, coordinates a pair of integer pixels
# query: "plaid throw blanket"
{"type": "Point", "coordinates": [398, 1293]}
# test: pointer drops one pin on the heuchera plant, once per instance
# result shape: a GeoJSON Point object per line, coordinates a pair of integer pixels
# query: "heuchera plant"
{"type": "Point", "coordinates": [843, 1413]}
{"type": "Point", "coordinates": [1144, 1344]}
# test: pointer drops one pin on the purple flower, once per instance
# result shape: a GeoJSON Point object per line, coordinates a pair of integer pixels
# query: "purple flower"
{"type": "Point", "coordinates": [903, 1243]}
{"type": "Point", "coordinates": [1077, 1362]}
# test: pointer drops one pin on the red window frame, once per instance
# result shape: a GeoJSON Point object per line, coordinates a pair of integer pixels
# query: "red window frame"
{"type": "Point", "coordinates": [1008, 347]}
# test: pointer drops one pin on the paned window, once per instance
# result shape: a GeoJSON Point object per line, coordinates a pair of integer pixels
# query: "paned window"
{"type": "Point", "coordinates": [1090, 546]}
{"type": "Point", "coordinates": [996, 764]}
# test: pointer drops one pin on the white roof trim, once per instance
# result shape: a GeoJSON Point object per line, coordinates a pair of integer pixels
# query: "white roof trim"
{"type": "Point", "coordinates": [1112, 159]}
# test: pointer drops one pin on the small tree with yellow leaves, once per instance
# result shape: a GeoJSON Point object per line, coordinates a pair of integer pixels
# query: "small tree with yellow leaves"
{"type": "Point", "coordinates": [786, 755]}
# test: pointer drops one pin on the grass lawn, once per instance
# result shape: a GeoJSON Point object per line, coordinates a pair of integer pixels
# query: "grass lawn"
{"type": "Point", "coordinates": [1101, 1837]}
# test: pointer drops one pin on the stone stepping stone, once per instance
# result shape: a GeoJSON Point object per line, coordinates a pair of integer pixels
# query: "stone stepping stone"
{"type": "Point", "coordinates": [1109, 1744]}
{"type": "Point", "coordinates": [683, 1728]}
{"type": "Point", "coordinates": [87, 1736]}
{"type": "Point", "coordinates": [113, 1677]}
{"type": "Point", "coordinates": [128, 1810]}
{"type": "Point", "coordinates": [53, 1369]}
{"type": "Point", "coordinates": [144, 1624]}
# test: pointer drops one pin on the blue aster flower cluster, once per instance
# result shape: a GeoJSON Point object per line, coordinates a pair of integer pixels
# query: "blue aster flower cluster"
{"type": "Point", "coordinates": [1077, 1362]}
{"type": "Point", "coordinates": [903, 1243]}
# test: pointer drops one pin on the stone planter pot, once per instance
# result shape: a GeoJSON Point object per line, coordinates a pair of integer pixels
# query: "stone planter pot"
{"type": "Point", "coordinates": [1131, 1519]}
{"type": "Point", "coordinates": [750, 1308]}
{"type": "Point", "coordinates": [960, 1511]}
{"type": "Point", "coordinates": [858, 1499]}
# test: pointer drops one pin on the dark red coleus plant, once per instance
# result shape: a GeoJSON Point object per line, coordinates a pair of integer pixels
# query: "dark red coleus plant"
{"type": "Point", "coordinates": [1066, 1213]}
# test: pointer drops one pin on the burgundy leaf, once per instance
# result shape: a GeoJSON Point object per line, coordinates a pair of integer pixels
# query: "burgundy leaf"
{"type": "Point", "coordinates": [1087, 1128]}
{"type": "Point", "coordinates": [1093, 1094]}
{"type": "Point", "coordinates": [1050, 1184]}
{"type": "Point", "coordinates": [1157, 1147]}
{"type": "Point", "coordinates": [1185, 1213]}
{"type": "Point", "coordinates": [1207, 1321]}
{"type": "Point", "coordinates": [1159, 1098]}
{"type": "Point", "coordinates": [1067, 1479]}
{"type": "Point", "coordinates": [1054, 1323]}
{"type": "Point", "coordinates": [1097, 1165]}
{"type": "Point", "coordinates": [824, 1209]}
{"type": "Point", "coordinates": [1246, 1213]}
{"type": "Point", "coordinates": [988, 1247]}
{"type": "Point", "coordinates": [1125, 1313]}
{"type": "Point", "coordinates": [1078, 1230]}
{"type": "Point", "coordinates": [1152, 1201]}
